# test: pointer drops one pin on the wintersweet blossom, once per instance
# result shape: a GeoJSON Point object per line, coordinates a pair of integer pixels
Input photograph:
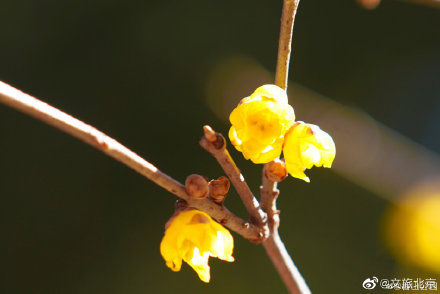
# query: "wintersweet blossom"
{"type": "Point", "coordinates": [259, 123]}
{"type": "Point", "coordinates": [306, 145]}
{"type": "Point", "coordinates": [194, 236]}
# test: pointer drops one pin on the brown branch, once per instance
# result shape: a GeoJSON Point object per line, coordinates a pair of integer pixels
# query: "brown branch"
{"type": "Point", "coordinates": [88, 134]}
{"type": "Point", "coordinates": [275, 248]}
{"type": "Point", "coordinates": [283, 263]}
{"type": "Point", "coordinates": [215, 144]}
{"type": "Point", "coordinates": [273, 245]}
{"type": "Point", "coordinates": [285, 41]}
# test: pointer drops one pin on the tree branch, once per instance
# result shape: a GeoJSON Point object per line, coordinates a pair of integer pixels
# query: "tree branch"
{"type": "Point", "coordinates": [275, 248]}
{"type": "Point", "coordinates": [283, 263]}
{"type": "Point", "coordinates": [88, 134]}
{"type": "Point", "coordinates": [215, 144]}
{"type": "Point", "coordinates": [285, 41]}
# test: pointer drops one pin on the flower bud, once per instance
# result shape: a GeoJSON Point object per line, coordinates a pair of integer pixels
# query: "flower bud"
{"type": "Point", "coordinates": [218, 189]}
{"type": "Point", "coordinates": [216, 139]}
{"type": "Point", "coordinates": [275, 170]}
{"type": "Point", "coordinates": [210, 134]}
{"type": "Point", "coordinates": [196, 186]}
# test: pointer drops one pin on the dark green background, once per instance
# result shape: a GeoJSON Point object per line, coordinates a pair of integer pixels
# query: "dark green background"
{"type": "Point", "coordinates": [76, 221]}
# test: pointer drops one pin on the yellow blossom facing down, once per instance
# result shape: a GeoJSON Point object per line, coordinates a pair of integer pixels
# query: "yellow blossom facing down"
{"type": "Point", "coordinates": [307, 145]}
{"type": "Point", "coordinates": [193, 236]}
{"type": "Point", "coordinates": [259, 123]}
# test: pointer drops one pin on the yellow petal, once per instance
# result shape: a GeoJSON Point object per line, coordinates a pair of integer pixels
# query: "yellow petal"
{"type": "Point", "coordinates": [170, 255]}
{"type": "Point", "coordinates": [269, 153]}
{"type": "Point", "coordinates": [234, 139]}
{"type": "Point", "coordinates": [223, 244]}
{"type": "Point", "coordinates": [311, 156]}
{"type": "Point", "coordinates": [296, 171]}
{"type": "Point", "coordinates": [199, 262]}
{"type": "Point", "coordinates": [329, 154]}
{"type": "Point", "coordinates": [271, 92]}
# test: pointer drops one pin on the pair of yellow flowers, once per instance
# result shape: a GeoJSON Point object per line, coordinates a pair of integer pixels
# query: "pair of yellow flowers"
{"type": "Point", "coordinates": [263, 126]}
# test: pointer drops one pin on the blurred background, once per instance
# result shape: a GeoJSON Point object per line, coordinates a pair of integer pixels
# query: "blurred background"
{"type": "Point", "coordinates": [150, 74]}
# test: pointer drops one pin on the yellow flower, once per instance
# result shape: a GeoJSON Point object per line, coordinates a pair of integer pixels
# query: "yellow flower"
{"type": "Point", "coordinates": [259, 123]}
{"type": "Point", "coordinates": [306, 145]}
{"type": "Point", "coordinates": [194, 236]}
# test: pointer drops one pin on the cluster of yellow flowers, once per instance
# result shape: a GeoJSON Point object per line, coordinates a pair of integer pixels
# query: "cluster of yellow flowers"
{"type": "Point", "coordinates": [263, 126]}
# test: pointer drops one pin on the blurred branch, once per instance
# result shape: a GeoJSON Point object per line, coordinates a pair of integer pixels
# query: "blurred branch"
{"type": "Point", "coordinates": [215, 144]}
{"type": "Point", "coordinates": [372, 4]}
{"type": "Point", "coordinates": [431, 3]}
{"type": "Point", "coordinates": [88, 134]}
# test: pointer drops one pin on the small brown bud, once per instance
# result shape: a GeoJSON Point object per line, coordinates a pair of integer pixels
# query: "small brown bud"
{"type": "Point", "coordinates": [218, 189]}
{"type": "Point", "coordinates": [214, 138]}
{"type": "Point", "coordinates": [210, 134]}
{"type": "Point", "coordinates": [196, 186]}
{"type": "Point", "coordinates": [275, 170]}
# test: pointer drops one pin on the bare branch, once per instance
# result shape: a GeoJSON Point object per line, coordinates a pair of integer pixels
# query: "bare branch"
{"type": "Point", "coordinates": [215, 144]}
{"type": "Point", "coordinates": [283, 263]}
{"type": "Point", "coordinates": [273, 245]}
{"type": "Point", "coordinates": [285, 41]}
{"type": "Point", "coordinates": [88, 134]}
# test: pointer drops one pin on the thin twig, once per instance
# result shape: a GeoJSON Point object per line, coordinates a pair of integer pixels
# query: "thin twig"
{"type": "Point", "coordinates": [215, 144]}
{"type": "Point", "coordinates": [285, 42]}
{"type": "Point", "coordinates": [275, 248]}
{"type": "Point", "coordinates": [88, 134]}
{"type": "Point", "coordinates": [283, 263]}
